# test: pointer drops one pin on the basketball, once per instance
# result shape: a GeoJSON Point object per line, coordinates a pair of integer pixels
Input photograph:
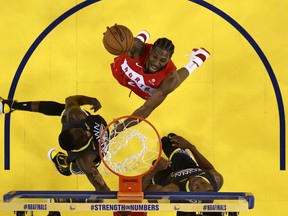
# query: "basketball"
{"type": "Point", "coordinates": [118, 39]}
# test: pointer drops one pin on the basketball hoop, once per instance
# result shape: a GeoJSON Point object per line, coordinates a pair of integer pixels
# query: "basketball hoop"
{"type": "Point", "coordinates": [129, 154]}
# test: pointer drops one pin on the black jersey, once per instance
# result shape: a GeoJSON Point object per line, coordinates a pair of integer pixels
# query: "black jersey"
{"type": "Point", "coordinates": [181, 169]}
{"type": "Point", "coordinates": [181, 177]}
{"type": "Point", "coordinates": [183, 166]}
{"type": "Point", "coordinates": [96, 125]}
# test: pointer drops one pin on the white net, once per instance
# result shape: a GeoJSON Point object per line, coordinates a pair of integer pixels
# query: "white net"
{"type": "Point", "coordinates": [132, 151]}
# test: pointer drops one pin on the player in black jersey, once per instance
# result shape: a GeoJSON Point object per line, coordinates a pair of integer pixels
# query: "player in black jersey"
{"type": "Point", "coordinates": [80, 133]}
{"type": "Point", "coordinates": [181, 172]}
{"type": "Point", "coordinates": [79, 137]}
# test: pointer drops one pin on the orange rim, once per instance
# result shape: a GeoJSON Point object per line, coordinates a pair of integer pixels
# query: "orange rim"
{"type": "Point", "coordinates": [125, 117]}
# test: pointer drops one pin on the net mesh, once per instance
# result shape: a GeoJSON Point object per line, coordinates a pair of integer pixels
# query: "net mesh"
{"type": "Point", "coordinates": [132, 151]}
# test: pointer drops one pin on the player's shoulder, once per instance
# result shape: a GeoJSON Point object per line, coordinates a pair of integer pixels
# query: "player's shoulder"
{"type": "Point", "coordinates": [218, 178]}
{"type": "Point", "coordinates": [216, 174]}
{"type": "Point", "coordinates": [75, 113]}
{"type": "Point", "coordinates": [97, 118]}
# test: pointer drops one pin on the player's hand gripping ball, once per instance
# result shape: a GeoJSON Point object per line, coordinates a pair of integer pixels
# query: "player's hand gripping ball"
{"type": "Point", "coordinates": [118, 39]}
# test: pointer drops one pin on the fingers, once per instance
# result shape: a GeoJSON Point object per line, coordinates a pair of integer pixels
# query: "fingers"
{"type": "Point", "coordinates": [116, 123]}
{"type": "Point", "coordinates": [95, 104]}
{"type": "Point", "coordinates": [163, 163]}
{"type": "Point", "coordinates": [117, 128]}
{"type": "Point", "coordinates": [176, 140]}
{"type": "Point", "coordinates": [95, 108]}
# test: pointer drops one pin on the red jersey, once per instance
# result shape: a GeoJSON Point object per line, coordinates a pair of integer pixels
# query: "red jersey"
{"type": "Point", "coordinates": [129, 73]}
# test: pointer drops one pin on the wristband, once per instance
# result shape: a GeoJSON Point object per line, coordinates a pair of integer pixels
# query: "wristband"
{"type": "Point", "coordinates": [191, 66]}
{"type": "Point", "coordinates": [197, 58]}
{"type": "Point", "coordinates": [143, 36]}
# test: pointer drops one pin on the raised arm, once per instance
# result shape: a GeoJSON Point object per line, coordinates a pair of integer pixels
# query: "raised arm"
{"type": "Point", "coordinates": [147, 184]}
{"type": "Point", "coordinates": [87, 165]}
{"type": "Point", "coordinates": [73, 106]}
{"type": "Point", "coordinates": [146, 179]}
{"type": "Point", "coordinates": [171, 82]}
{"type": "Point", "coordinates": [139, 46]}
{"type": "Point", "coordinates": [168, 85]}
{"type": "Point", "coordinates": [180, 142]}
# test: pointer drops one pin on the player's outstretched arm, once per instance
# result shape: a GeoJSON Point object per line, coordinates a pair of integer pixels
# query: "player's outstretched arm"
{"type": "Point", "coordinates": [86, 164]}
{"type": "Point", "coordinates": [171, 82]}
{"type": "Point", "coordinates": [146, 179]}
{"type": "Point", "coordinates": [144, 111]}
{"type": "Point", "coordinates": [179, 141]}
{"type": "Point", "coordinates": [99, 180]}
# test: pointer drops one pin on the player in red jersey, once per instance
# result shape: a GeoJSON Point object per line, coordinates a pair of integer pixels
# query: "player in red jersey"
{"type": "Point", "coordinates": [131, 73]}
{"type": "Point", "coordinates": [148, 71]}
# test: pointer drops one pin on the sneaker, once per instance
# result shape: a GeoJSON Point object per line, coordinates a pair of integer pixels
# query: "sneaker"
{"type": "Point", "coordinates": [6, 106]}
{"type": "Point", "coordinates": [58, 158]}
